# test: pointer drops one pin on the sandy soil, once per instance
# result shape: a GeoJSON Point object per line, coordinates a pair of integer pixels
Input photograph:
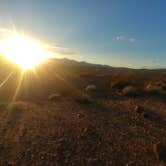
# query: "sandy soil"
{"type": "Point", "coordinates": [106, 132]}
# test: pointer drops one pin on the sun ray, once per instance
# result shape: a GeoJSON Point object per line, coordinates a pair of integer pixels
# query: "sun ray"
{"type": "Point", "coordinates": [6, 79]}
{"type": "Point", "coordinates": [18, 87]}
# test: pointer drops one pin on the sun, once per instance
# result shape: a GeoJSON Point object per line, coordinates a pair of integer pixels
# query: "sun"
{"type": "Point", "coordinates": [23, 51]}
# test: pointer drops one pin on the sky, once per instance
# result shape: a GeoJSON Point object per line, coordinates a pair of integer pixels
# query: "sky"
{"type": "Point", "coordinates": [129, 33]}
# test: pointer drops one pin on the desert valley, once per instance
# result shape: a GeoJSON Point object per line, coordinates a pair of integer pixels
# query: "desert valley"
{"type": "Point", "coordinates": [75, 113]}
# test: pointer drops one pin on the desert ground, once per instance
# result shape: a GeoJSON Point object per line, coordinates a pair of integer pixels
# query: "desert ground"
{"type": "Point", "coordinates": [75, 113]}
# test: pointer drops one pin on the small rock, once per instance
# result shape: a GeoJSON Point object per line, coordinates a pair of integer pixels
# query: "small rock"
{"type": "Point", "coordinates": [61, 140]}
{"type": "Point", "coordinates": [139, 109]}
{"type": "Point", "coordinates": [78, 115]}
{"type": "Point", "coordinates": [85, 130]}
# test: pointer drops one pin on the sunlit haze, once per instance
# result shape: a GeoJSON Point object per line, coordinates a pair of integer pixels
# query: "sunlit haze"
{"type": "Point", "coordinates": [23, 51]}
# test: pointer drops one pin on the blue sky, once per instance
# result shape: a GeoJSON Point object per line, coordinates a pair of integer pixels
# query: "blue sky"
{"type": "Point", "coordinates": [128, 33]}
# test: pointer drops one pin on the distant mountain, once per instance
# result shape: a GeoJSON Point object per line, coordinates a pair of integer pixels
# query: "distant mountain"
{"type": "Point", "coordinates": [72, 62]}
{"type": "Point", "coordinates": [164, 70]}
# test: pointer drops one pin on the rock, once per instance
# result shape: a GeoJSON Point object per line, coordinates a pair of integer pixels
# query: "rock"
{"type": "Point", "coordinates": [42, 158]}
{"type": "Point", "coordinates": [61, 140]}
{"type": "Point", "coordinates": [139, 109]}
{"type": "Point", "coordinates": [78, 115]}
{"type": "Point", "coordinates": [85, 130]}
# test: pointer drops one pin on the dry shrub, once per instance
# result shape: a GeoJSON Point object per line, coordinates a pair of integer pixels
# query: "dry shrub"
{"type": "Point", "coordinates": [130, 91]}
{"type": "Point", "coordinates": [126, 77]}
{"type": "Point", "coordinates": [119, 84]}
{"type": "Point", "coordinates": [83, 98]}
{"type": "Point", "coordinates": [90, 88]}
{"type": "Point", "coordinates": [18, 106]}
{"type": "Point", "coordinates": [54, 97]}
{"type": "Point", "coordinates": [3, 106]}
{"type": "Point", "coordinates": [154, 89]}
{"type": "Point", "coordinates": [161, 84]}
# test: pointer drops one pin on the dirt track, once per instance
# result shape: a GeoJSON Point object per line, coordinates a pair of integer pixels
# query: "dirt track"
{"type": "Point", "coordinates": [67, 133]}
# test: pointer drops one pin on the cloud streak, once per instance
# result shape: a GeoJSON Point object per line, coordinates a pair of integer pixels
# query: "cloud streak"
{"type": "Point", "coordinates": [61, 50]}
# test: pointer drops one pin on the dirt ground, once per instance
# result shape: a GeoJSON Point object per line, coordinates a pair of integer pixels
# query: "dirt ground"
{"type": "Point", "coordinates": [105, 132]}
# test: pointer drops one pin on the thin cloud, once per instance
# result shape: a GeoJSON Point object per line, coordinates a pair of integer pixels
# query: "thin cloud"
{"type": "Point", "coordinates": [132, 40]}
{"type": "Point", "coordinates": [58, 46]}
{"type": "Point", "coordinates": [62, 50]}
{"type": "Point", "coordinates": [125, 38]}
{"type": "Point", "coordinates": [120, 37]}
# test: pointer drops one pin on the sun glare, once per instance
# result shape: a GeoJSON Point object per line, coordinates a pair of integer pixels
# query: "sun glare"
{"type": "Point", "coordinates": [23, 51]}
